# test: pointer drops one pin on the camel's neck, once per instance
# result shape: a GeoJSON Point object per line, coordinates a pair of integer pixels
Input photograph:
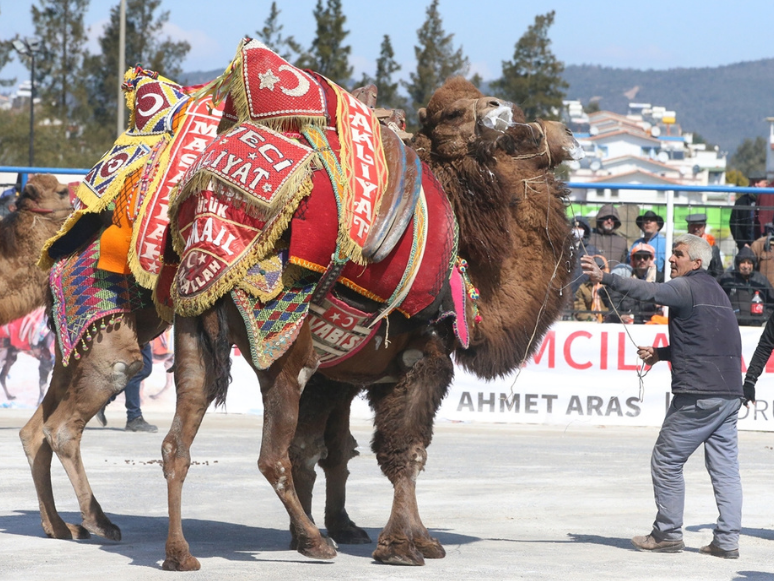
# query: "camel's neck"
{"type": "Point", "coordinates": [522, 295]}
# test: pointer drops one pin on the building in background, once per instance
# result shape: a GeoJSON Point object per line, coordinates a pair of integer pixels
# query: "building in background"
{"type": "Point", "coordinates": [646, 146]}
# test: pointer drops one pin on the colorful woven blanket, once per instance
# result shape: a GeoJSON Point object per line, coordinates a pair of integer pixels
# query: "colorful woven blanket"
{"type": "Point", "coordinates": [84, 295]}
{"type": "Point", "coordinates": [273, 326]}
{"type": "Point", "coordinates": [167, 131]}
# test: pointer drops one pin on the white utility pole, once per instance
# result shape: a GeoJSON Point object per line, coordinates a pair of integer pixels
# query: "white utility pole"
{"type": "Point", "coordinates": [121, 66]}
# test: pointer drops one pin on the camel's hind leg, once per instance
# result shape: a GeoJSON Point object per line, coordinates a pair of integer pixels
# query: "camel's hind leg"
{"type": "Point", "coordinates": [404, 428]}
{"type": "Point", "coordinates": [323, 436]}
{"type": "Point", "coordinates": [191, 373]}
{"type": "Point", "coordinates": [76, 393]}
{"type": "Point", "coordinates": [281, 387]}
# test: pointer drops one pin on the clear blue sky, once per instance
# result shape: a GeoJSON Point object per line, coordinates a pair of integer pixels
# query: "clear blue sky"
{"type": "Point", "coordinates": [658, 34]}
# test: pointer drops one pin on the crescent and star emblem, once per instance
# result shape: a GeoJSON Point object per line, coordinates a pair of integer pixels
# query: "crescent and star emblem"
{"type": "Point", "coordinates": [303, 84]}
{"type": "Point", "coordinates": [158, 103]}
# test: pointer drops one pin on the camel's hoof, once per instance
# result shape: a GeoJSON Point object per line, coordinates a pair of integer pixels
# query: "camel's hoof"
{"type": "Point", "coordinates": [106, 529]}
{"type": "Point", "coordinates": [430, 548]}
{"type": "Point", "coordinates": [402, 553]}
{"type": "Point", "coordinates": [350, 535]}
{"type": "Point", "coordinates": [68, 531]}
{"type": "Point", "coordinates": [10, 397]}
{"type": "Point", "coordinates": [187, 563]}
{"type": "Point", "coordinates": [326, 549]}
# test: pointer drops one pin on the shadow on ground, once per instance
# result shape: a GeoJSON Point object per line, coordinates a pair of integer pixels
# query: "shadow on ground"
{"type": "Point", "coordinates": [144, 537]}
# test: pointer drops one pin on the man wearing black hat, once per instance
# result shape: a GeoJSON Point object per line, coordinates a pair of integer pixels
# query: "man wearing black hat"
{"type": "Point", "coordinates": [610, 244]}
{"type": "Point", "coordinates": [697, 223]}
{"type": "Point", "coordinates": [651, 224]}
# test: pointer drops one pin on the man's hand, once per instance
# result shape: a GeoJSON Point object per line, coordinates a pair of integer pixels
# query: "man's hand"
{"type": "Point", "coordinates": [648, 354]}
{"type": "Point", "coordinates": [749, 393]}
{"type": "Point", "coordinates": [589, 266]}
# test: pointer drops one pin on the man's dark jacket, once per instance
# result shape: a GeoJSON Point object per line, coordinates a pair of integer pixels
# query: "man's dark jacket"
{"type": "Point", "coordinates": [705, 346]}
{"type": "Point", "coordinates": [741, 290]}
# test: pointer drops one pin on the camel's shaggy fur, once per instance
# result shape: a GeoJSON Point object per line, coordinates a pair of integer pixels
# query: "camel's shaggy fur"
{"type": "Point", "coordinates": [22, 235]}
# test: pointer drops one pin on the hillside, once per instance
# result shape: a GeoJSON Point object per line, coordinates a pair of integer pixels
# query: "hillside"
{"type": "Point", "coordinates": [724, 104]}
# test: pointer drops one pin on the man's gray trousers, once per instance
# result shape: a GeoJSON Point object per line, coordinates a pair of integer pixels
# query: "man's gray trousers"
{"type": "Point", "coordinates": [691, 421]}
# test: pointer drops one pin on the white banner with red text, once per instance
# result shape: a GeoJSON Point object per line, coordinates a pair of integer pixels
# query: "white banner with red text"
{"type": "Point", "coordinates": [580, 373]}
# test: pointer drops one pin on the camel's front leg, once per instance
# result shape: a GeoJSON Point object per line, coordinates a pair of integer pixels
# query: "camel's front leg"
{"type": "Point", "coordinates": [404, 428]}
{"type": "Point", "coordinates": [192, 402]}
{"type": "Point", "coordinates": [281, 387]}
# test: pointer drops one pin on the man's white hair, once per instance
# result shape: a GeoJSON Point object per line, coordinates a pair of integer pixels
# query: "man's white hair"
{"type": "Point", "coordinates": [698, 248]}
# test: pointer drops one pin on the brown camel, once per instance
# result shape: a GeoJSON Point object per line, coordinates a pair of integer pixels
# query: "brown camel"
{"type": "Point", "coordinates": [42, 208]}
{"type": "Point", "coordinates": [514, 233]}
{"type": "Point", "coordinates": [80, 389]}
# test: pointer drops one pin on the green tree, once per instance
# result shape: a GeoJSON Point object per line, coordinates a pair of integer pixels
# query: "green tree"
{"type": "Point", "coordinates": [437, 60]}
{"type": "Point", "coordinates": [144, 46]}
{"type": "Point", "coordinates": [591, 107]}
{"type": "Point", "coordinates": [328, 55]}
{"type": "Point", "coordinates": [532, 79]}
{"type": "Point", "coordinates": [736, 178]}
{"type": "Point", "coordinates": [271, 36]}
{"type": "Point", "coordinates": [750, 156]}
{"type": "Point", "coordinates": [59, 24]}
{"type": "Point", "coordinates": [386, 65]}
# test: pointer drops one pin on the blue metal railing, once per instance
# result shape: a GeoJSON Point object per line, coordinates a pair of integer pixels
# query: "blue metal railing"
{"type": "Point", "coordinates": [573, 185]}
{"type": "Point", "coordinates": [670, 188]}
{"type": "Point", "coordinates": [27, 171]}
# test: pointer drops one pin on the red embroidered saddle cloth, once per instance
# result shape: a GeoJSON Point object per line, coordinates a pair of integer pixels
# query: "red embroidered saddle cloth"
{"type": "Point", "coordinates": [313, 242]}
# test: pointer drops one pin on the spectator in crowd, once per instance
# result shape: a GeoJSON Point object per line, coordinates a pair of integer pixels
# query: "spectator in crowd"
{"type": "Point", "coordinates": [745, 221]}
{"type": "Point", "coordinates": [610, 244]}
{"type": "Point", "coordinates": [751, 295]}
{"type": "Point", "coordinates": [627, 309]}
{"type": "Point", "coordinates": [764, 253]}
{"type": "Point", "coordinates": [706, 352]}
{"type": "Point", "coordinates": [581, 232]}
{"type": "Point", "coordinates": [591, 300]}
{"type": "Point", "coordinates": [697, 224]}
{"type": "Point", "coordinates": [651, 224]}
{"type": "Point", "coordinates": [764, 203]}
{"type": "Point", "coordinates": [134, 420]}
{"type": "Point", "coordinates": [7, 202]}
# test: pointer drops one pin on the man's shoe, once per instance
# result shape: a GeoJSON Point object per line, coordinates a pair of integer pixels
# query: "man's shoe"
{"type": "Point", "coordinates": [648, 543]}
{"type": "Point", "coordinates": [140, 425]}
{"type": "Point", "coordinates": [101, 416]}
{"type": "Point", "coordinates": [716, 551]}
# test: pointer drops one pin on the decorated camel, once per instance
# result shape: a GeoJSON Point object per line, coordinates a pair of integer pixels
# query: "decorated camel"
{"type": "Point", "coordinates": [398, 341]}
{"type": "Point", "coordinates": [41, 209]}
{"type": "Point", "coordinates": [512, 231]}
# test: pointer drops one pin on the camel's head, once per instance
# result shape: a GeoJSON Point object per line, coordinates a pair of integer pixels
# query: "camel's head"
{"type": "Point", "coordinates": [547, 143]}
{"type": "Point", "coordinates": [43, 194]}
{"type": "Point", "coordinates": [459, 115]}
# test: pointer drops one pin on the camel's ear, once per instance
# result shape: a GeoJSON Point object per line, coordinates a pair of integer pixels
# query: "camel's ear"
{"type": "Point", "coordinates": [422, 114]}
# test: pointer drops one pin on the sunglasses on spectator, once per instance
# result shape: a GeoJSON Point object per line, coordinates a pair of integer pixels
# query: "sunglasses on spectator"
{"type": "Point", "coordinates": [643, 256]}
{"type": "Point", "coordinates": [606, 218]}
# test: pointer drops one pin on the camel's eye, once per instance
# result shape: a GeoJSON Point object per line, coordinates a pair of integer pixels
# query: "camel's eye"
{"type": "Point", "coordinates": [453, 114]}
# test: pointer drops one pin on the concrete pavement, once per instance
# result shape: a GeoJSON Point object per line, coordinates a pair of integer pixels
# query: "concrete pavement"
{"type": "Point", "coordinates": [507, 502]}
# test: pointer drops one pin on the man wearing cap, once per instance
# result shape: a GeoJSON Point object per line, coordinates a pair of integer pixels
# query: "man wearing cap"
{"type": "Point", "coordinates": [610, 243]}
{"type": "Point", "coordinates": [651, 224]}
{"type": "Point", "coordinates": [627, 308]}
{"type": "Point", "coordinates": [697, 224]}
{"type": "Point", "coordinates": [705, 350]}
